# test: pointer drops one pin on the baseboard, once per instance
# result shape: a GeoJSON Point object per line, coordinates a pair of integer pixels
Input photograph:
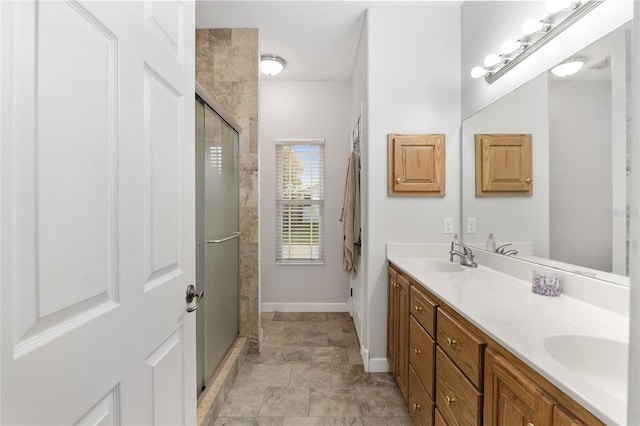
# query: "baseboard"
{"type": "Point", "coordinates": [364, 353]}
{"type": "Point", "coordinates": [304, 307]}
{"type": "Point", "coordinates": [378, 365]}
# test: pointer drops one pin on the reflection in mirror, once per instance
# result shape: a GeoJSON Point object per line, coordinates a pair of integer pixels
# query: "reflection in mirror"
{"type": "Point", "coordinates": [577, 217]}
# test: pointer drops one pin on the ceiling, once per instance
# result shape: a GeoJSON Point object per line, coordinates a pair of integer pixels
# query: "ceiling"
{"type": "Point", "coordinates": [318, 39]}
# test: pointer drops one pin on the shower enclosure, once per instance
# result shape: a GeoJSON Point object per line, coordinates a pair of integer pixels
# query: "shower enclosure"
{"type": "Point", "coordinates": [217, 236]}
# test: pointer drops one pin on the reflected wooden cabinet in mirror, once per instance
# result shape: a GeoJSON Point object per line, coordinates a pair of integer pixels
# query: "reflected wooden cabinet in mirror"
{"type": "Point", "coordinates": [503, 165]}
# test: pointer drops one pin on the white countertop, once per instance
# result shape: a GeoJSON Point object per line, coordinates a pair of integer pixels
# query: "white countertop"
{"type": "Point", "coordinates": [505, 308]}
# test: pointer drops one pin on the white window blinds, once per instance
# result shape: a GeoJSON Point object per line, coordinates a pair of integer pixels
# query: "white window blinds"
{"type": "Point", "coordinates": [299, 201]}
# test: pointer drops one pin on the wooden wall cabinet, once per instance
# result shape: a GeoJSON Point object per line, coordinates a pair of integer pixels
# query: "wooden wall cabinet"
{"type": "Point", "coordinates": [416, 165]}
{"type": "Point", "coordinates": [503, 165]}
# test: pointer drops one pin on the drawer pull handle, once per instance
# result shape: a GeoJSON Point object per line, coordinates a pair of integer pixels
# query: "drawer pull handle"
{"type": "Point", "coordinates": [451, 342]}
{"type": "Point", "coordinates": [395, 285]}
{"type": "Point", "coordinates": [530, 424]}
{"type": "Point", "coordinates": [451, 400]}
{"type": "Point", "coordinates": [417, 308]}
{"type": "Point", "coordinates": [417, 407]}
{"type": "Point", "coordinates": [417, 352]}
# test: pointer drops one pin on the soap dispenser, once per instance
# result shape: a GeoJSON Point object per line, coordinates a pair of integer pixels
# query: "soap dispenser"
{"type": "Point", "coordinates": [491, 244]}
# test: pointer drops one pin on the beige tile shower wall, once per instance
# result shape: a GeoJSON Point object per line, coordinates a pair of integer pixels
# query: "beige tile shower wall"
{"type": "Point", "coordinates": [227, 67]}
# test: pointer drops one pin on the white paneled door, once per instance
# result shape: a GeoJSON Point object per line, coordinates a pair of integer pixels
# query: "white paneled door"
{"type": "Point", "coordinates": [97, 213]}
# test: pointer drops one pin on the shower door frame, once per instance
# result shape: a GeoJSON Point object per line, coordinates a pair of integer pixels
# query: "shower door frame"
{"type": "Point", "coordinates": [207, 100]}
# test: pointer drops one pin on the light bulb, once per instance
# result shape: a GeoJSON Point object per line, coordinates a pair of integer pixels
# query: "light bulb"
{"type": "Point", "coordinates": [478, 72]}
{"type": "Point", "coordinates": [492, 59]}
{"type": "Point", "coordinates": [555, 6]}
{"type": "Point", "coordinates": [510, 46]}
{"type": "Point", "coordinates": [531, 26]}
{"type": "Point", "coordinates": [567, 68]}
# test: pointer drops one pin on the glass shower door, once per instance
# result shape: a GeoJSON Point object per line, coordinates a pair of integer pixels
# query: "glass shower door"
{"type": "Point", "coordinates": [218, 246]}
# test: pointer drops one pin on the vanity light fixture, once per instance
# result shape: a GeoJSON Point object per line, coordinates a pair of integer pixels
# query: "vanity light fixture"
{"type": "Point", "coordinates": [531, 26]}
{"type": "Point", "coordinates": [492, 59]}
{"type": "Point", "coordinates": [478, 72]}
{"type": "Point", "coordinates": [568, 67]}
{"type": "Point", "coordinates": [510, 46]}
{"type": "Point", "coordinates": [555, 6]}
{"type": "Point", "coordinates": [271, 64]}
{"type": "Point", "coordinates": [536, 33]}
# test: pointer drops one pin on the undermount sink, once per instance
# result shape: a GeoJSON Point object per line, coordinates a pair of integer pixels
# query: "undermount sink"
{"type": "Point", "coordinates": [597, 359]}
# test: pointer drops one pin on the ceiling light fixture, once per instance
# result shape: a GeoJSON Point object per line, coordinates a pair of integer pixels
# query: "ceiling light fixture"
{"type": "Point", "coordinates": [568, 67]}
{"type": "Point", "coordinates": [537, 33]}
{"type": "Point", "coordinates": [271, 64]}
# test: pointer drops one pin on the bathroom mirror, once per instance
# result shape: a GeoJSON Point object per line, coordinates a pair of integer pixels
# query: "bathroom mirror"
{"type": "Point", "coordinates": [577, 216]}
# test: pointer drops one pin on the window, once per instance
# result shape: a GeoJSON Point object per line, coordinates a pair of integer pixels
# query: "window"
{"type": "Point", "coordinates": [299, 201]}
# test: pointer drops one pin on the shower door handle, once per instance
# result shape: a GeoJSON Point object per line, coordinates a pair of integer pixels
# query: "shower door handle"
{"type": "Point", "coordinates": [222, 240]}
{"type": "Point", "coordinates": [192, 293]}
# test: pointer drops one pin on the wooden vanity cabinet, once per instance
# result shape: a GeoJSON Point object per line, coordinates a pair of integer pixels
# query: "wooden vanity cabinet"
{"type": "Point", "coordinates": [474, 380]}
{"type": "Point", "coordinates": [398, 329]}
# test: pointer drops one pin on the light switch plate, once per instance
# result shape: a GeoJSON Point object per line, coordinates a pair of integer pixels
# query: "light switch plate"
{"type": "Point", "coordinates": [471, 225]}
{"type": "Point", "coordinates": [447, 226]}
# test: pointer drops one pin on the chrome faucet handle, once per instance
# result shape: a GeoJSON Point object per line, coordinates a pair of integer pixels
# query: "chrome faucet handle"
{"type": "Point", "coordinates": [500, 249]}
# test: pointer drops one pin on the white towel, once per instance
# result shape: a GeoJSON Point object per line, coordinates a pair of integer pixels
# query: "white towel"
{"type": "Point", "coordinates": [350, 216]}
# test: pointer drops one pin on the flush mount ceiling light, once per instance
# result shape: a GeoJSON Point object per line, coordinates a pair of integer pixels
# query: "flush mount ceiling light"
{"type": "Point", "coordinates": [568, 68]}
{"type": "Point", "coordinates": [271, 64]}
{"type": "Point", "coordinates": [536, 33]}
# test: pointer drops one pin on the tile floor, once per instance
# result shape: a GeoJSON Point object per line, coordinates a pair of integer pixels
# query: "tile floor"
{"type": "Point", "coordinates": [310, 373]}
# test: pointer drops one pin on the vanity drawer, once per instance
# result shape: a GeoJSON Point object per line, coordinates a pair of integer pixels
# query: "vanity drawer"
{"type": "Point", "coordinates": [420, 404]}
{"type": "Point", "coordinates": [438, 420]}
{"type": "Point", "coordinates": [458, 400]}
{"type": "Point", "coordinates": [464, 347]}
{"type": "Point", "coordinates": [423, 309]}
{"type": "Point", "coordinates": [422, 355]}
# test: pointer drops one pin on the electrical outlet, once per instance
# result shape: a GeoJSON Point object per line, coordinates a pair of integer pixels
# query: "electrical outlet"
{"type": "Point", "coordinates": [448, 225]}
{"type": "Point", "coordinates": [471, 225]}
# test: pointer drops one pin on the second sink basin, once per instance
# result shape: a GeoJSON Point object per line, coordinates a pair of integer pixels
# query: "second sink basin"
{"type": "Point", "coordinates": [597, 359]}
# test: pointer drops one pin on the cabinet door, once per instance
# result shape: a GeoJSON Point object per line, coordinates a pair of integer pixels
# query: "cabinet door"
{"type": "Point", "coordinates": [416, 165]}
{"type": "Point", "coordinates": [561, 417]}
{"type": "Point", "coordinates": [402, 312]}
{"type": "Point", "coordinates": [392, 341]}
{"type": "Point", "coordinates": [503, 165]}
{"type": "Point", "coordinates": [511, 398]}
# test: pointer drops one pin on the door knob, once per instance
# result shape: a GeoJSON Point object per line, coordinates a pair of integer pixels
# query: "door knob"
{"type": "Point", "coordinates": [192, 293]}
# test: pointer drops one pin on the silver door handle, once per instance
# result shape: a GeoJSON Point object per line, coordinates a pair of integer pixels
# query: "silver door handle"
{"type": "Point", "coordinates": [192, 293]}
{"type": "Point", "coordinates": [222, 240]}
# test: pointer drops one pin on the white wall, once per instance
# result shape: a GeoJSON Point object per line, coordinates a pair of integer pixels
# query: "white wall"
{"type": "Point", "coordinates": [511, 219]}
{"type": "Point", "coordinates": [413, 86]}
{"type": "Point", "coordinates": [581, 172]}
{"type": "Point", "coordinates": [487, 24]}
{"type": "Point", "coordinates": [304, 109]}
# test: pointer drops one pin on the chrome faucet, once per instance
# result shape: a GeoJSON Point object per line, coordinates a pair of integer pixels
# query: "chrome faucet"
{"type": "Point", "coordinates": [466, 255]}
{"type": "Point", "coordinates": [501, 250]}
